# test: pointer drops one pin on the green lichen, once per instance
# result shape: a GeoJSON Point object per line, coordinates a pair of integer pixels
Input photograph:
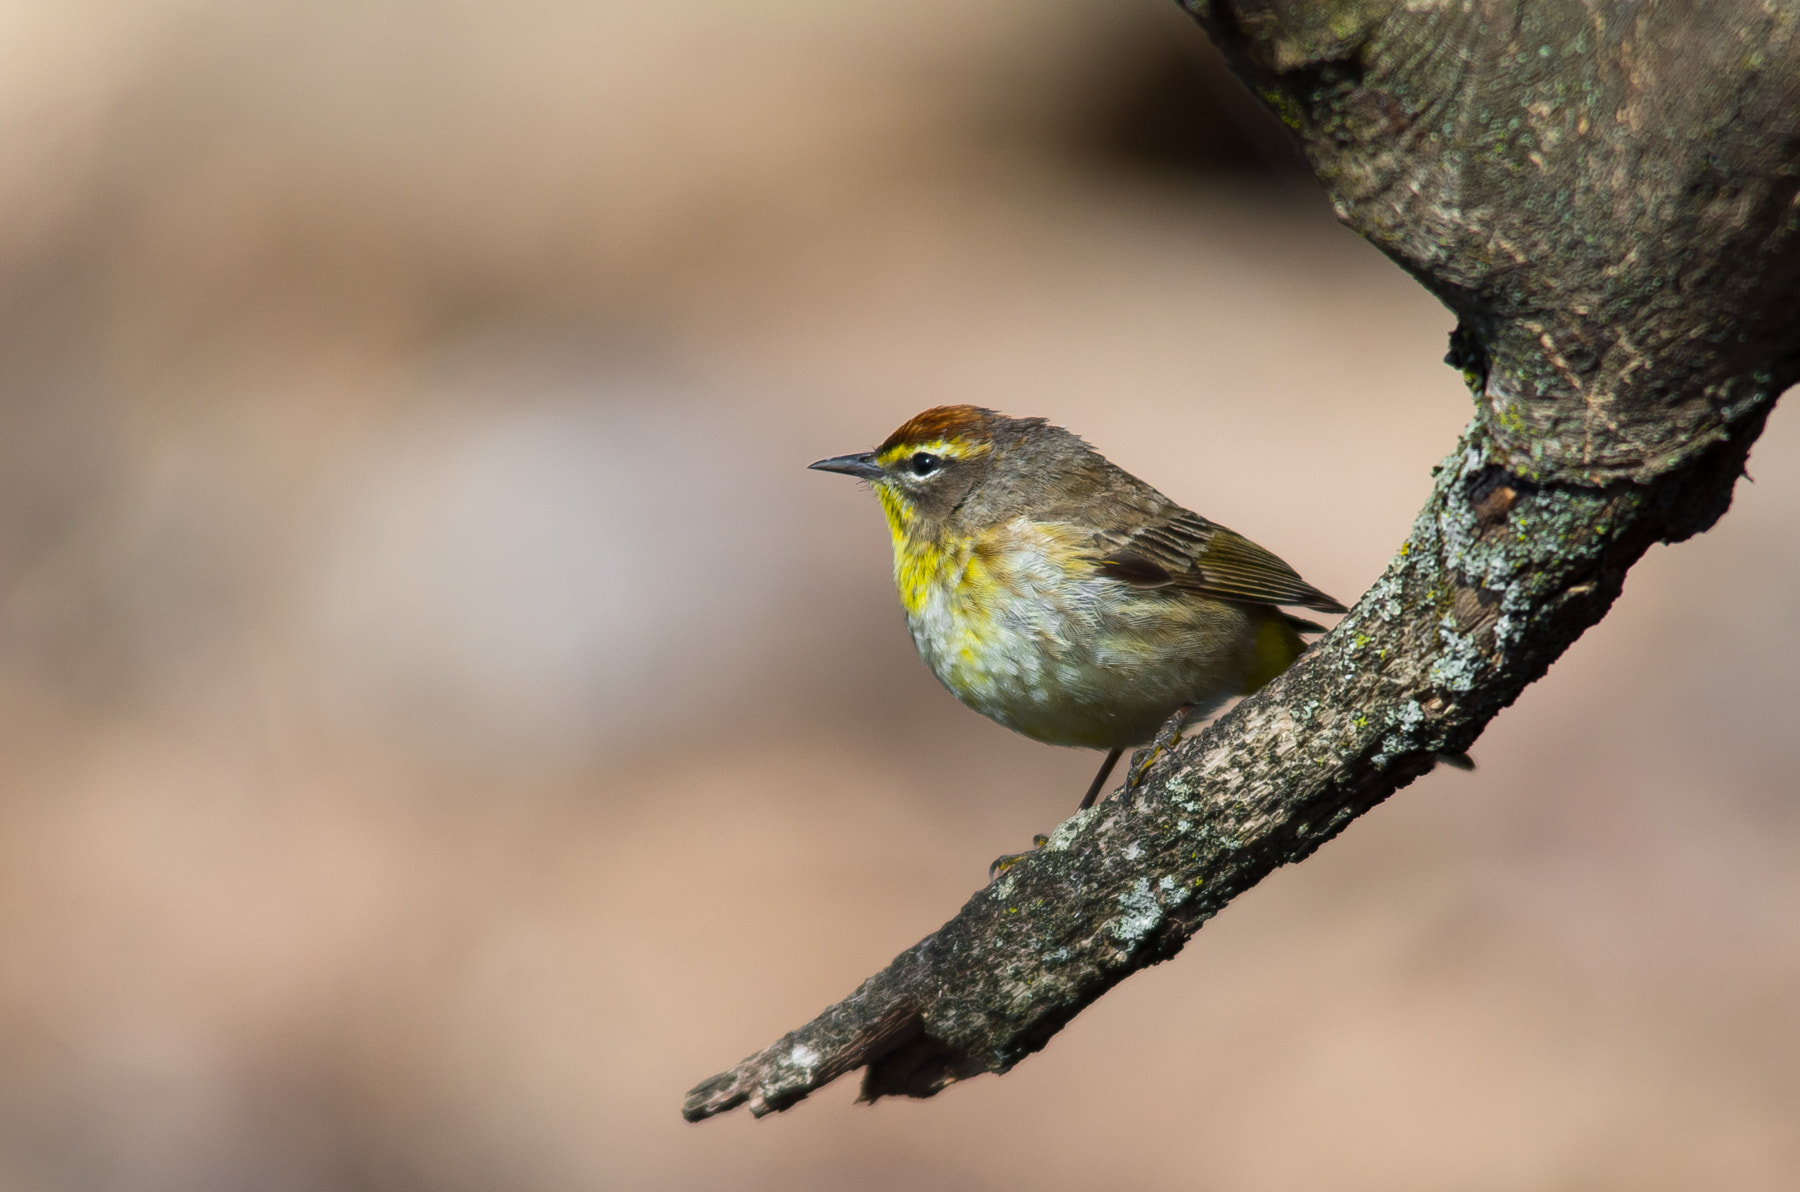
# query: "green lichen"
{"type": "Point", "coordinates": [1286, 109]}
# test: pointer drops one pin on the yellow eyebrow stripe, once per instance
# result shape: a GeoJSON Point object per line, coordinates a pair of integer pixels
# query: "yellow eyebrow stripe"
{"type": "Point", "coordinates": [948, 448]}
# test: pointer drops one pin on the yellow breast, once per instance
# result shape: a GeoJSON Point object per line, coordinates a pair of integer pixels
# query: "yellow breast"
{"type": "Point", "coordinates": [1020, 628]}
{"type": "Point", "coordinates": [952, 592]}
{"type": "Point", "coordinates": [951, 595]}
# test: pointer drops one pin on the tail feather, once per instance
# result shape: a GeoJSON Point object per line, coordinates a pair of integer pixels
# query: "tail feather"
{"type": "Point", "coordinates": [1278, 643]}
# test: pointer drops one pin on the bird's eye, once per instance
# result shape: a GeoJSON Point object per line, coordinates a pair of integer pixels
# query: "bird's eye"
{"type": "Point", "coordinates": [924, 463]}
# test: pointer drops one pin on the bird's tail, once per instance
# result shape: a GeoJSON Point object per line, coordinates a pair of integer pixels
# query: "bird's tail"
{"type": "Point", "coordinates": [1278, 643]}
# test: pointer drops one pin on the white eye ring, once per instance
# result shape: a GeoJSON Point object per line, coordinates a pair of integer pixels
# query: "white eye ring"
{"type": "Point", "coordinates": [924, 463]}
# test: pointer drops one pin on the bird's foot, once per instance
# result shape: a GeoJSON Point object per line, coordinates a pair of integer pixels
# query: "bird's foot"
{"type": "Point", "coordinates": [1002, 864]}
{"type": "Point", "coordinates": [1166, 739]}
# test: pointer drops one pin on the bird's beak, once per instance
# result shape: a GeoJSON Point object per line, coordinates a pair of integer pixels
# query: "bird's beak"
{"type": "Point", "coordinates": [862, 466]}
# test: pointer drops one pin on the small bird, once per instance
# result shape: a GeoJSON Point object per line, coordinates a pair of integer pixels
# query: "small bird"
{"type": "Point", "coordinates": [1058, 594]}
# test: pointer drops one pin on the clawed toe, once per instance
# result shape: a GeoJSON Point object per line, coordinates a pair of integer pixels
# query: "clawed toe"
{"type": "Point", "coordinates": [1003, 863]}
{"type": "Point", "coordinates": [1166, 738]}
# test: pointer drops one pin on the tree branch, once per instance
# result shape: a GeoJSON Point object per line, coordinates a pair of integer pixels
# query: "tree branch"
{"type": "Point", "coordinates": [1607, 199]}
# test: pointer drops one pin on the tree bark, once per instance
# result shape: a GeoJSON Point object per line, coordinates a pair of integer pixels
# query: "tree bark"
{"type": "Point", "coordinates": [1608, 197]}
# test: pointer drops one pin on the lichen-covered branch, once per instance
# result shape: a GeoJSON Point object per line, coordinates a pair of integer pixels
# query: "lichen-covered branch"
{"type": "Point", "coordinates": [1496, 579]}
{"type": "Point", "coordinates": [1609, 198]}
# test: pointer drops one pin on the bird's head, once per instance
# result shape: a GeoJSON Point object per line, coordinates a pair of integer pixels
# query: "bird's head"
{"type": "Point", "coordinates": [926, 470]}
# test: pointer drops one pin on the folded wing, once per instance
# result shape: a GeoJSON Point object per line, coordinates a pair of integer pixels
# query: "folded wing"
{"type": "Point", "coordinates": [1184, 551]}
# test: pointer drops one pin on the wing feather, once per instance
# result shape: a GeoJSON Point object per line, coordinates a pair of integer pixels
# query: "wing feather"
{"type": "Point", "coordinates": [1183, 550]}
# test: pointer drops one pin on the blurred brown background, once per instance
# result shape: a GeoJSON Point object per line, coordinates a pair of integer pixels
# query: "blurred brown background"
{"type": "Point", "coordinates": [443, 720]}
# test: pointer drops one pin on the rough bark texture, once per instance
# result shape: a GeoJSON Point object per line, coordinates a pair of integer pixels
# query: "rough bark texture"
{"type": "Point", "coordinates": [1603, 192]}
{"type": "Point", "coordinates": [1606, 195]}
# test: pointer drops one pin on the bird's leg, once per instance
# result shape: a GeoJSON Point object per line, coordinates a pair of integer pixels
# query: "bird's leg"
{"type": "Point", "coordinates": [1002, 864]}
{"type": "Point", "coordinates": [1106, 767]}
{"type": "Point", "coordinates": [1165, 740]}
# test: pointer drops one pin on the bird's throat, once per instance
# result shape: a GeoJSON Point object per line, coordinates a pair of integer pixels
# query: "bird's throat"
{"type": "Point", "coordinates": [924, 561]}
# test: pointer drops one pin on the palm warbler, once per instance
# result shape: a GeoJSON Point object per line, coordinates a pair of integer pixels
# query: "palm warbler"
{"type": "Point", "coordinates": [1058, 594]}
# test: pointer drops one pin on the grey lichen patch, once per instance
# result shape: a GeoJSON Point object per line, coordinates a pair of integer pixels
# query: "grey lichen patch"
{"type": "Point", "coordinates": [1455, 526]}
{"type": "Point", "coordinates": [1460, 662]}
{"type": "Point", "coordinates": [1509, 631]}
{"type": "Point", "coordinates": [796, 1067]}
{"type": "Point", "coordinates": [1066, 832]}
{"type": "Point", "coordinates": [1141, 913]}
{"type": "Point", "coordinates": [1404, 737]}
{"type": "Point", "coordinates": [1387, 602]}
{"type": "Point", "coordinates": [1177, 786]}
